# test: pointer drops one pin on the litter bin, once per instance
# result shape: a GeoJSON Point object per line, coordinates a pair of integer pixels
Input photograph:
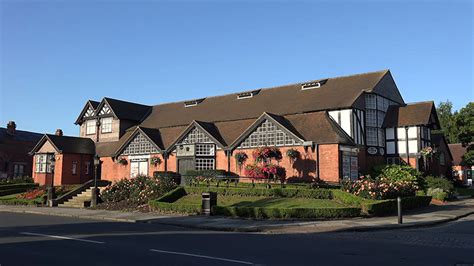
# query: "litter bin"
{"type": "Point", "coordinates": [209, 199]}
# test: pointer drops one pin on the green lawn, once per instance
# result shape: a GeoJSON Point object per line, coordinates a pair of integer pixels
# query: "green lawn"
{"type": "Point", "coordinates": [10, 197]}
{"type": "Point", "coordinates": [236, 201]}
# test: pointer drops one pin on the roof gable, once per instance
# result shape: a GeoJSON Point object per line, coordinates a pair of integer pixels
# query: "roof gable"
{"type": "Point", "coordinates": [66, 144]}
{"type": "Point", "coordinates": [87, 111]}
{"type": "Point", "coordinates": [413, 114]}
{"type": "Point", "coordinates": [122, 109]}
{"type": "Point", "coordinates": [139, 141]}
{"type": "Point", "coordinates": [270, 122]}
{"type": "Point", "coordinates": [199, 132]}
{"type": "Point", "coordinates": [388, 88]}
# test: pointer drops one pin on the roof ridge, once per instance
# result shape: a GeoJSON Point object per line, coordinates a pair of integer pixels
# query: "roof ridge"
{"type": "Point", "coordinates": [108, 98]}
{"type": "Point", "coordinates": [413, 103]}
{"type": "Point", "coordinates": [274, 87]}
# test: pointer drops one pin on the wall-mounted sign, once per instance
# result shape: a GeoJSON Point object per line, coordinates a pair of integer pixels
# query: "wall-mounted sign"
{"type": "Point", "coordinates": [185, 150]}
{"type": "Point", "coordinates": [372, 150]}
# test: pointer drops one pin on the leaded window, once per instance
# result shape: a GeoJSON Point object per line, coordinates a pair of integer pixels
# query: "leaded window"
{"type": "Point", "coordinates": [140, 145]}
{"type": "Point", "coordinates": [205, 149]}
{"type": "Point", "coordinates": [196, 136]}
{"type": "Point", "coordinates": [205, 164]}
{"type": "Point", "coordinates": [376, 107]}
{"type": "Point", "coordinates": [43, 162]}
{"type": "Point", "coordinates": [267, 134]}
{"type": "Point", "coordinates": [106, 124]}
{"type": "Point", "coordinates": [90, 127]}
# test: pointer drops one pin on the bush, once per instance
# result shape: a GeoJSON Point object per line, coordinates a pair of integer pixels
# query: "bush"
{"type": "Point", "coordinates": [207, 173]}
{"type": "Point", "coordinates": [137, 190]}
{"type": "Point", "coordinates": [387, 207]}
{"type": "Point", "coordinates": [437, 193]}
{"type": "Point", "coordinates": [156, 205]}
{"type": "Point", "coordinates": [402, 173]}
{"type": "Point", "coordinates": [380, 189]}
{"type": "Point", "coordinates": [16, 180]}
{"type": "Point", "coordinates": [285, 213]}
{"type": "Point", "coordinates": [173, 195]}
{"type": "Point", "coordinates": [440, 183]}
{"type": "Point", "coordinates": [347, 198]}
{"type": "Point", "coordinates": [175, 177]}
{"type": "Point", "coordinates": [12, 188]}
{"type": "Point", "coordinates": [256, 192]}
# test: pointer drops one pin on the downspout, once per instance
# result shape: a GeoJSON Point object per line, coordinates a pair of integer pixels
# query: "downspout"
{"type": "Point", "coordinates": [165, 157]}
{"type": "Point", "coordinates": [317, 160]}
{"type": "Point", "coordinates": [97, 130]}
{"type": "Point", "coordinates": [228, 152]}
{"type": "Point", "coordinates": [406, 144]}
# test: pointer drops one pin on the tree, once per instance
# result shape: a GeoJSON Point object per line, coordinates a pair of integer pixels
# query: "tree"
{"type": "Point", "coordinates": [465, 124]}
{"type": "Point", "coordinates": [465, 127]}
{"type": "Point", "coordinates": [447, 120]}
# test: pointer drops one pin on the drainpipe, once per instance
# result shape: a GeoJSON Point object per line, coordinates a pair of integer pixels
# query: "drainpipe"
{"type": "Point", "coordinates": [406, 143]}
{"type": "Point", "coordinates": [97, 130]}
{"type": "Point", "coordinates": [165, 157]}
{"type": "Point", "coordinates": [228, 152]}
{"type": "Point", "coordinates": [317, 160]}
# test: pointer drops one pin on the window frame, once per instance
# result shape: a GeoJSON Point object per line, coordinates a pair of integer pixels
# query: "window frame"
{"type": "Point", "coordinates": [74, 168]}
{"type": "Point", "coordinates": [109, 125]}
{"type": "Point", "coordinates": [93, 127]}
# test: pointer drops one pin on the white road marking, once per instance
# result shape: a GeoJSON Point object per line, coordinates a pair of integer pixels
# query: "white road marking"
{"type": "Point", "coordinates": [62, 237]}
{"type": "Point", "coordinates": [201, 256]}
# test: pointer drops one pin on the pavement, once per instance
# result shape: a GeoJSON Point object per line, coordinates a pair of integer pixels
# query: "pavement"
{"type": "Point", "coordinates": [32, 239]}
{"type": "Point", "coordinates": [429, 216]}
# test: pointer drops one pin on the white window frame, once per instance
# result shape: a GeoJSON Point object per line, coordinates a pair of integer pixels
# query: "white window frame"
{"type": "Point", "coordinates": [106, 125]}
{"type": "Point", "coordinates": [90, 127]}
{"type": "Point", "coordinates": [74, 168]}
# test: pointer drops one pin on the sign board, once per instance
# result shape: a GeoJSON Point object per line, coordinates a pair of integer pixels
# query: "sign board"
{"type": "Point", "coordinates": [372, 150]}
{"type": "Point", "coordinates": [185, 150]}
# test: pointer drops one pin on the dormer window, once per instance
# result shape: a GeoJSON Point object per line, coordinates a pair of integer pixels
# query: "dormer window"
{"type": "Point", "coordinates": [193, 102]}
{"type": "Point", "coordinates": [106, 124]}
{"type": "Point", "coordinates": [247, 94]}
{"type": "Point", "coordinates": [90, 127]}
{"type": "Point", "coordinates": [313, 85]}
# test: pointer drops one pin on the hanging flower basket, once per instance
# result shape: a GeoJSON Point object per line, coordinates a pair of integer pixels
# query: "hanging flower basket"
{"type": "Point", "coordinates": [267, 153]}
{"type": "Point", "coordinates": [427, 152]}
{"type": "Point", "coordinates": [293, 154]}
{"type": "Point", "coordinates": [122, 161]}
{"type": "Point", "coordinates": [240, 158]}
{"type": "Point", "coordinates": [156, 161]}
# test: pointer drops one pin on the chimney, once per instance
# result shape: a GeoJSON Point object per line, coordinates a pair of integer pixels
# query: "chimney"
{"type": "Point", "coordinates": [59, 132]}
{"type": "Point", "coordinates": [11, 127]}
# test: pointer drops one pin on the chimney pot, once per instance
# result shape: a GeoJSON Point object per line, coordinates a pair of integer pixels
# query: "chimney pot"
{"type": "Point", "coordinates": [59, 132]}
{"type": "Point", "coordinates": [11, 127]}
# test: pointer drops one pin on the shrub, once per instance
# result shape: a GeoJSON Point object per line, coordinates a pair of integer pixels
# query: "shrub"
{"type": "Point", "coordinates": [387, 207]}
{"type": "Point", "coordinates": [347, 198]}
{"type": "Point", "coordinates": [380, 189]}
{"type": "Point", "coordinates": [16, 180]}
{"type": "Point", "coordinates": [173, 195]}
{"type": "Point", "coordinates": [256, 192]}
{"type": "Point", "coordinates": [169, 175]}
{"type": "Point", "coordinates": [24, 186]}
{"type": "Point", "coordinates": [33, 194]}
{"type": "Point", "coordinates": [285, 213]}
{"type": "Point", "coordinates": [207, 173]}
{"type": "Point", "coordinates": [402, 173]}
{"type": "Point", "coordinates": [437, 193]}
{"type": "Point", "coordinates": [156, 205]}
{"type": "Point", "coordinates": [439, 183]}
{"type": "Point", "coordinates": [137, 190]}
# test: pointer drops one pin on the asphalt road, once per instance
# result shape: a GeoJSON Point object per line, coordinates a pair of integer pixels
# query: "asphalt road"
{"type": "Point", "coordinates": [27, 239]}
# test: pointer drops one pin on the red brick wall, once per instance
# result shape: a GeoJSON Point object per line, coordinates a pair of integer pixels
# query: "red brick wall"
{"type": "Point", "coordinates": [63, 170]}
{"type": "Point", "coordinates": [329, 163]}
{"type": "Point", "coordinates": [303, 168]}
{"type": "Point", "coordinates": [221, 160]}
{"type": "Point", "coordinates": [153, 168]}
{"type": "Point", "coordinates": [113, 171]}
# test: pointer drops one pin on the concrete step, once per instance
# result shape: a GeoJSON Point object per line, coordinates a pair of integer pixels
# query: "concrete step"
{"type": "Point", "coordinates": [81, 200]}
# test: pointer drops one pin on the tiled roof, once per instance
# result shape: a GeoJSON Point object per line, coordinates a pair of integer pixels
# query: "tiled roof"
{"type": "Point", "coordinates": [412, 114]}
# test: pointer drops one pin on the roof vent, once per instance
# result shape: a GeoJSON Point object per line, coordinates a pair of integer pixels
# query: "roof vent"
{"type": "Point", "coordinates": [193, 102]}
{"type": "Point", "coordinates": [247, 94]}
{"type": "Point", "coordinates": [313, 85]}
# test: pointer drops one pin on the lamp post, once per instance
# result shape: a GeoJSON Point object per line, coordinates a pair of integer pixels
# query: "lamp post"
{"type": "Point", "coordinates": [51, 185]}
{"type": "Point", "coordinates": [95, 190]}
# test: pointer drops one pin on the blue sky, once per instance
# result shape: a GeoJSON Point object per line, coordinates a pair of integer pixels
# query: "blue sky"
{"type": "Point", "coordinates": [55, 55]}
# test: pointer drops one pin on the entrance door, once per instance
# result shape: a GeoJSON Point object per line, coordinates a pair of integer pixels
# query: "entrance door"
{"type": "Point", "coordinates": [185, 164]}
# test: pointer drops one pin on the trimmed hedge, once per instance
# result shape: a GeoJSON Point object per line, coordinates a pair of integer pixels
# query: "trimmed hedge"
{"type": "Point", "coordinates": [347, 198]}
{"type": "Point", "coordinates": [264, 192]}
{"type": "Point", "coordinates": [387, 207]}
{"type": "Point", "coordinates": [19, 202]}
{"type": "Point", "coordinates": [155, 205]}
{"type": "Point", "coordinates": [207, 173]}
{"type": "Point", "coordinates": [173, 195]}
{"type": "Point", "coordinates": [286, 213]}
{"type": "Point", "coordinates": [15, 189]}
{"type": "Point", "coordinates": [22, 185]}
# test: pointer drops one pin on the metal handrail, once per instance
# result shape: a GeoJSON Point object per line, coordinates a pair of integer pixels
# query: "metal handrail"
{"type": "Point", "coordinates": [78, 190]}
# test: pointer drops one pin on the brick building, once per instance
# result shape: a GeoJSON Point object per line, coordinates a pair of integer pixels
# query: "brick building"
{"type": "Point", "coordinates": [15, 145]}
{"type": "Point", "coordinates": [460, 172]}
{"type": "Point", "coordinates": [341, 127]}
